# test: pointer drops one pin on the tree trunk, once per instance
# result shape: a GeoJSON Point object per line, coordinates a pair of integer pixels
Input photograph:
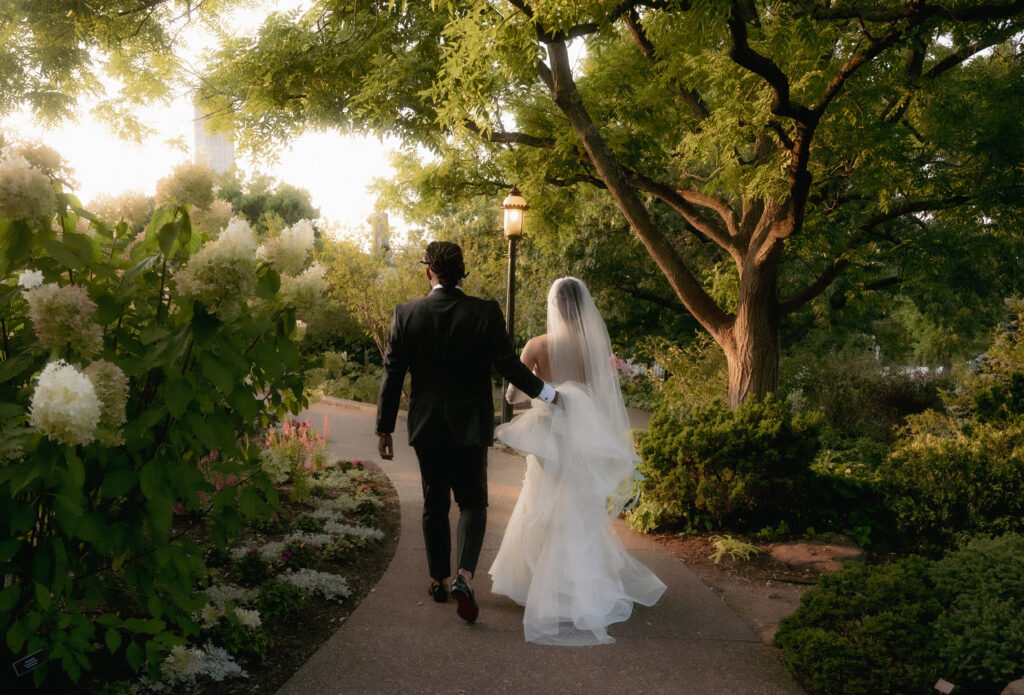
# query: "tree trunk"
{"type": "Point", "coordinates": [751, 345]}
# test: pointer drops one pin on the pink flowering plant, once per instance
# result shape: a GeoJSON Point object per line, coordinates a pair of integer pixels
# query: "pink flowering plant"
{"type": "Point", "coordinates": [304, 448]}
{"type": "Point", "coordinates": [125, 359]}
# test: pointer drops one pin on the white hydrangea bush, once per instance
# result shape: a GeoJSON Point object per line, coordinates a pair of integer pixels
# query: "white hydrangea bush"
{"type": "Point", "coordinates": [289, 251]}
{"type": "Point", "coordinates": [222, 274]}
{"type": "Point", "coordinates": [117, 389]}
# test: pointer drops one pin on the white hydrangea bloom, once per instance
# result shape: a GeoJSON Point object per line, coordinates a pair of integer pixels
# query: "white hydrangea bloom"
{"type": "Point", "coordinates": [30, 279]}
{"type": "Point", "coordinates": [210, 615]}
{"type": "Point", "coordinates": [214, 218]}
{"type": "Point", "coordinates": [189, 182]}
{"type": "Point", "coordinates": [222, 274]}
{"type": "Point", "coordinates": [330, 586]}
{"type": "Point", "coordinates": [62, 317]}
{"type": "Point", "coordinates": [26, 193]}
{"type": "Point", "coordinates": [249, 618]}
{"type": "Point", "coordinates": [305, 292]}
{"type": "Point", "coordinates": [288, 251]}
{"type": "Point", "coordinates": [64, 405]}
{"type": "Point", "coordinates": [276, 464]}
{"type": "Point", "coordinates": [181, 665]}
{"type": "Point", "coordinates": [131, 207]}
{"type": "Point", "coordinates": [111, 386]}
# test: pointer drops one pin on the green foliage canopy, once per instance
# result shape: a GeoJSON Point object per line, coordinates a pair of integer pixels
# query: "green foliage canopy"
{"type": "Point", "coordinates": [784, 143]}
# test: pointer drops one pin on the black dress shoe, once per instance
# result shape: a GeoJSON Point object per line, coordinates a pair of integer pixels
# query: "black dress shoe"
{"type": "Point", "coordinates": [438, 592]}
{"type": "Point", "coordinates": [467, 610]}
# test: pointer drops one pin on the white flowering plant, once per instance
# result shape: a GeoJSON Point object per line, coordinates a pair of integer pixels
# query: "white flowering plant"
{"type": "Point", "coordinates": [124, 361]}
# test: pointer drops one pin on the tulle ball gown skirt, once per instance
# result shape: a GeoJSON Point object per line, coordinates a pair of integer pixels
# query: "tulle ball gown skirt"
{"type": "Point", "coordinates": [561, 558]}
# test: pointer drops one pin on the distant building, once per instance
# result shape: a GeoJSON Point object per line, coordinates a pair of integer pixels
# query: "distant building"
{"type": "Point", "coordinates": [378, 222]}
{"type": "Point", "coordinates": [212, 148]}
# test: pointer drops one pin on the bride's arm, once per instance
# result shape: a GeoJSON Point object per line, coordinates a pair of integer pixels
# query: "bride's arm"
{"type": "Point", "coordinates": [529, 358]}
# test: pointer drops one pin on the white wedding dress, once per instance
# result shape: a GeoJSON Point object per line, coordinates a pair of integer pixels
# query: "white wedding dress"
{"type": "Point", "coordinates": [561, 558]}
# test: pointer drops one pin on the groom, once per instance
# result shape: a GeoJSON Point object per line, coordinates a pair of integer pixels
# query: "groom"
{"type": "Point", "coordinates": [448, 342]}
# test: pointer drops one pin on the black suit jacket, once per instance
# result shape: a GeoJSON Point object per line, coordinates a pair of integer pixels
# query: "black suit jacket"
{"type": "Point", "coordinates": [448, 341]}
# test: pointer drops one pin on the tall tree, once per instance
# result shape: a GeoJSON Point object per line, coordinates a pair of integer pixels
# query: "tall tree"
{"type": "Point", "coordinates": [795, 138]}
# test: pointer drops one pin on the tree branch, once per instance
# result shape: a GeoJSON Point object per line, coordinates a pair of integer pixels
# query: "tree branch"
{"type": "Point", "coordinates": [840, 264]}
{"type": "Point", "coordinates": [676, 199]}
{"type": "Point", "coordinates": [969, 51]}
{"type": "Point", "coordinates": [510, 138]}
{"type": "Point", "coordinates": [637, 293]}
{"type": "Point", "coordinates": [743, 55]}
{"type": "Point", "coordinates": [909, 10]}
{"type": "Point", "coordinates": [851, 65]}
{"type": "Point", "coordinates": [693, 295]}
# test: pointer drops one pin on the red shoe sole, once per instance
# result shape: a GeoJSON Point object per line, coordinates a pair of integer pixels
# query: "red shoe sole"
{"type": "Point", "coordinates": [467, 610]}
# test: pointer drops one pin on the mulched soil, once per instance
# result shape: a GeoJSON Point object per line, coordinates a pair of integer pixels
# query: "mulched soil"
{"type": "Point", "coordinates": [696, 550]}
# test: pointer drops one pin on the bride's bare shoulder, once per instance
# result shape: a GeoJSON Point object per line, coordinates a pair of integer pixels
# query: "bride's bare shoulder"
{"type": "Point", "coordinates": [536, 345]}
{"type": "Point", "coordinates": [535, 350]}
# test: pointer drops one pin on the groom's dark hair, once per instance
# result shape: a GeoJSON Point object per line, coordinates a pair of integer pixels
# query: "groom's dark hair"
{"type": "Point", "coordinates": [444, 258]}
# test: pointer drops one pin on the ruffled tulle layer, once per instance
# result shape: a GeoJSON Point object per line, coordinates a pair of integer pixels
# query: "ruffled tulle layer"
{"type": "Point", "coordinates": [560, 557]}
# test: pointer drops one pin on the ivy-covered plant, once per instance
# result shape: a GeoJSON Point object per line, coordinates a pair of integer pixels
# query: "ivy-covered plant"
{"type": "Point", "coordinates": [125, 359]}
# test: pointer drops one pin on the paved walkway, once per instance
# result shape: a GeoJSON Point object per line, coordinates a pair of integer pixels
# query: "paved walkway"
{"type": "Point", "coordinates": [399, 641]}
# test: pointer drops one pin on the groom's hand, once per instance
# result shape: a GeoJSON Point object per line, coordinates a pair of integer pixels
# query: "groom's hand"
{"type": "Point", "coordinates": [555, 399]}
{"type": "Point", "coordinates": [385, 447]}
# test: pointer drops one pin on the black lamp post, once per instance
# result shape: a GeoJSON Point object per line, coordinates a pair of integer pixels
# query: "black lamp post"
{"type": "Point", "coordinates": [515, 210]}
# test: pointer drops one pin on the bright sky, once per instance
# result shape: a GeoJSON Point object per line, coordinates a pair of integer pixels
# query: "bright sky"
{"type": "Point", "coordinates": [334, 168]}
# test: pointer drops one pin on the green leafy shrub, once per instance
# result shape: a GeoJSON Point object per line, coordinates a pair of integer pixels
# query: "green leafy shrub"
{"type": "Point", "coordinates": [856, 395]}
{"type": "Point", "coordinates": [299, 555]}
{"type": "Point", "coordinates": [1000, 402]}
{"type": "Point", "coordinates": [866, 630]}
{"type": "Point", "coordinates": [745, 467]}
{"type": "Point", "coordinates": [341, 377]}
{"type": "Point", "coordinates": [308, 523]}
{"type": "Point", "coordinates": [345, 550]}
{"type": "Point", "coordinates": [367, 512]}
{"type": "Point", "coordinates": [217, 557]}
{"type": "Point", "coordinates": [947, 480]}
{"type": "Point", "coordinates": [897, 628]}
{"type": "Point", "coordinates": [277, 598]}
{"type": "Point", "coordinates": [698, 374]}
{"type": "Point", "coordinates": [239, 639]}
{"type": "Point", "coordinates": [981, 631]}
{"type": "Point", "coordinates": [275, 524]}
{"type": "Point", "coordinates": [846, 494]}
{"type": "Point", "coordinates": [251, 569]}
{"type": "Point", "coordinates": [642, 392]}
{"type": "Point", "coordinates": [166, 345]}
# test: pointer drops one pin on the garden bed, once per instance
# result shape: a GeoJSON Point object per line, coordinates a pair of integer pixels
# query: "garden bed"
{"type": "Point", "coordinates": [370, 505]}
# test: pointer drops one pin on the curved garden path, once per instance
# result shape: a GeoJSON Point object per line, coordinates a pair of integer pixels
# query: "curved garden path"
{"type": "Point", "coordinates": [399, 641]}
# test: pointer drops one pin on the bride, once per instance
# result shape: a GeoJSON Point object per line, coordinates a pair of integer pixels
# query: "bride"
{"type": "Point", "coordinates": [560, 557]}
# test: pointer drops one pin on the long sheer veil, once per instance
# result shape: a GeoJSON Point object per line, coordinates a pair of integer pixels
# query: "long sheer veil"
{"type": "Point", "coordinates": [580, 350]}
{"type": "Point", "coordinates": [561, 558]}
